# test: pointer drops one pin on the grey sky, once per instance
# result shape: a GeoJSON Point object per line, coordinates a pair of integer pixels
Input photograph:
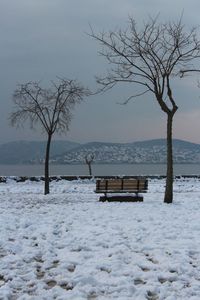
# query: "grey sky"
{"type": "Point", "coordinates": [42, 39]}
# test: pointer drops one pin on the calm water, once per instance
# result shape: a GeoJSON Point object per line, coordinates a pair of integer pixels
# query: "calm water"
{"type": "Point", "coordinates": [122, 169]}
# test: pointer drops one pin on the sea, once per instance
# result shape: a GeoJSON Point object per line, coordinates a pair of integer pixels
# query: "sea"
{"type": "Point", "coordinates": [99, 170]}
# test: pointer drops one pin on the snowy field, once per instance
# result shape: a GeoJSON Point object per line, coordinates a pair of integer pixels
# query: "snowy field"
{"type": "Point", "coordinates": [67, 245]}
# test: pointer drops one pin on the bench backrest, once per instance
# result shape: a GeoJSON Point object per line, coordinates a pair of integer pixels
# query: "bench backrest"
{"type": "Point", "coordinates": [134, 185]}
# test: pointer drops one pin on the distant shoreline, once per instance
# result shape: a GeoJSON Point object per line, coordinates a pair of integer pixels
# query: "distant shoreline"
{"type": "Point", "coordinates": [5, 179]}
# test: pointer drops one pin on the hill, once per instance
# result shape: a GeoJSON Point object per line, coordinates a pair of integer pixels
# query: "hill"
{"type": "Point", "coordinates": [66, 152]}
{"type": "Point", "coordinates": [152, 151]}
{"type": "Point", "coordinates": [21, 152]}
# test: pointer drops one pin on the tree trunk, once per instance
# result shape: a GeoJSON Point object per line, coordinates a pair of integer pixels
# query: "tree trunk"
{"type": "Point", "coordinates": [46, 166]}
{"type": "Point", "coordinates": [90, 169]}
{"type": "Point", "coordinates": [169, 178]}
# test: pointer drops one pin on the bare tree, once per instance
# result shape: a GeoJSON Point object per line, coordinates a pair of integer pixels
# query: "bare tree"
{"type": "Point", "coordinates": [150, 58]}
{"type": "Point", "coordinates": [51, 108]}
{"type": "Point", "coordinates": [89, 158]}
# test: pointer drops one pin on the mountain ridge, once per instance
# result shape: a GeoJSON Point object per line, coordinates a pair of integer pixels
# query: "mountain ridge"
{"type": "Point", "coordinates": [20, 152]}
{"type": "Point", "coordinates": [67, 152]}
{"type": "Point", "coordinates": [149, 151]}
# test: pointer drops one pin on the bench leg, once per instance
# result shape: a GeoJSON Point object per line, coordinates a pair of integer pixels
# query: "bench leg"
{"type": "Point", "coordinates": [102, 198]}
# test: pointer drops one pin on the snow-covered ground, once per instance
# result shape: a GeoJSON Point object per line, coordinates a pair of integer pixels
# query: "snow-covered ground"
{"type": "Point", "coordinates": [67, 245]}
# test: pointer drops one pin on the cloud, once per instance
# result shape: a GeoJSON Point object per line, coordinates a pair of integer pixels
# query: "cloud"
{"type": "Point", "coordinates": [41, 39]}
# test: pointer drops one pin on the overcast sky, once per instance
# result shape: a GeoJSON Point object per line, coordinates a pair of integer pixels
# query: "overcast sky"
{"type": "Point", "coordinates": [42, 39]}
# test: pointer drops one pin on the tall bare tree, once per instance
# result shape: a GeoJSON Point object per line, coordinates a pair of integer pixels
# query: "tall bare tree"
{"type": "Point", "coordinates": [150, 58]}
{"type": "Point", "coordinates": [51, 108]}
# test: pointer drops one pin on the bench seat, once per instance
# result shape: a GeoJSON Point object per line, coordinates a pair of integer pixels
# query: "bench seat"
{"type": "Point", "coordinates": [120, 191]}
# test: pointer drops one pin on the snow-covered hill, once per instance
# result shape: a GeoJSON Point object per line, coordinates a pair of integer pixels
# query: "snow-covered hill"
{"type": "Point", "coordinates": [153, 151]}
{"type": "Point", "coordinates": [66, 152]}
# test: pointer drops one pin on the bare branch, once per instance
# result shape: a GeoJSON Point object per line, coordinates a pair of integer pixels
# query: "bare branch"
{"type": "Point", "coordinates": [150, 57]}
{"type": "Point", "coordinates": [133, 96]}
{"type": "Point", "coordinates": [52, 107]}
{"type": "Point", "coordinates": [183, 72]}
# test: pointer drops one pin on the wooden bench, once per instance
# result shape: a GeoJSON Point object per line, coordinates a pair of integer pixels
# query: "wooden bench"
{"type": "Point", "coordinates": [121, 186]}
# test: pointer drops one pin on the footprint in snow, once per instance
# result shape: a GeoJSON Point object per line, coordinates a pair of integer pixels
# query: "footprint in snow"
{"type": "Point", "coordinates": [2, 280]}
{"type": "Point", "coordinates": [138, 281]}
{"type": "Point", "coordinates": [152, 296]}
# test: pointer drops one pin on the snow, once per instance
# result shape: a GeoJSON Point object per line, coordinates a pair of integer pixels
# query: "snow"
{"type": "Point", "coordinates": [68, 245]}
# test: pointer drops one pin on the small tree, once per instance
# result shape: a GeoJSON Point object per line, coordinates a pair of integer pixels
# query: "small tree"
{"type": "Point", "coordinates": [150, 59]}
{"type": "Point", "coordinates": [51, 108]}
{"type": "Point", "coordinates": [89, 158]}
